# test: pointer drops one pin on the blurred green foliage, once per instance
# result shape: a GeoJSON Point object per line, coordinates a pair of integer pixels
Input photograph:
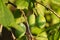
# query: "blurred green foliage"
{"type": "Point", "coordinates": [44, 25]}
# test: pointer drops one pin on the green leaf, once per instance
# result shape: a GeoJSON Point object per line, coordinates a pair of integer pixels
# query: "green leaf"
{"type": "Point", "coordinates": [23, 38]}
{"type": "Point", "coordinates": [18, 17]}
{"type": "Point", "coordinates": [40, 9]}
{"type": "Point", "coordinates": [55, 19]}
{"type": "Point", "coordinates": [35, 30]}
{"type": "Point", "coordinates": [31, 20]}
{"type": "Point", "coordinates": [42, 36]}
{"type": "Point", "coordinates": [22, 4]}
{"type": "Point", "coordinates": [40, 21]}
{"type": "Point", "coordinates": [6, 17]}
{"type": "Point", "coordinates": [45, 2]}
{"type": "Point", "coordinates": [48, 18]}
{"type": "Point", "coordinates": [20, 30]}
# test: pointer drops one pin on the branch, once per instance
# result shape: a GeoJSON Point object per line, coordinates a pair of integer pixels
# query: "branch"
{"type": "Point", "coordinates": [28, 33]}
{"type": "Point", "coordinates": [49, 9]}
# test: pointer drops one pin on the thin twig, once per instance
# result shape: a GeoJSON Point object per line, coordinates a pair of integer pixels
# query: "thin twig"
{"type": "Point", "coordinates": [49, 9]}
{"type": "Point", "coordinates": [13, 36]}
{"type": "Point", "coordinates": [1, 29]}
{"type": "Point", "coordinates": [28, 33]}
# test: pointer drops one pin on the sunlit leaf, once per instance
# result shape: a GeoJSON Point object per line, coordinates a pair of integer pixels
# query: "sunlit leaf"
{"type": "Point", "coordinates": [35, 30]}
{"type": "Point", "coordinates": [55, 19]}
{"type": "Point", "coordinates": [31, 20]}
{"type": "Point", "coordinates": [22, 4]}
{"type": "Point", "coordinates": [6, 17]}
{"type": "Point", "coordinates": [40, 9]}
